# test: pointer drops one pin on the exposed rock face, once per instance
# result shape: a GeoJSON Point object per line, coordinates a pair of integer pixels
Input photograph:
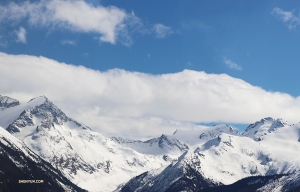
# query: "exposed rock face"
{"type": "Point", "coordinates": [7, 102]}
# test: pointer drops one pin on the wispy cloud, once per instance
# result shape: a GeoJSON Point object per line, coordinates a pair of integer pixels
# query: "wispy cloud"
{"type": "Point", "coordinates": [21, 35]}
{"type": "Point", "coordinates": [162, 31]}
{"type": "Point", "coordinates": [287, 17]}
{"type": "Point", "coordinates": [120, 102]}
{"type": "Point", "coordinates": [231, 64]}
{"type": "Point", "coordinates": [68, 42]}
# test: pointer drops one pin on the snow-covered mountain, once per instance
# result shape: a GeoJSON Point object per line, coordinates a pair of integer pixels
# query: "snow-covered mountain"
{"type": "Point", "coordinates": [87, 158]}
{"type": "Point", "coordinates": [188, 160]}
{"type": "Point", "coordinates": [19, 163]}
{"type": "Point", "coordinates": [182, 175]}
{"type": "Point", "coordinates": [267, 147]}
{"type": "Point", "coordinates": [261, 128]}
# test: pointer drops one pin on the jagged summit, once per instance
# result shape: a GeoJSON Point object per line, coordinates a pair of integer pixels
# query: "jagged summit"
{"type": "Point", "coordinates": [263, 127]}
{"type": "Point", "coordinates": [184, 175]}
{"type": "Point", "coordinates": [276, 123]}
{"type": "Point", "coordinates": [168, 143]}
{"type": "Point", "coordinates": [41, 112]}
{"type": "Point", "coordinates": [46, 108]}
{"type": "Point", "coordinates": [7, 102]}
{"type": "Point", "coordinates": [257, 123]}
{"type": "Point", "coordinates": [217, 130]}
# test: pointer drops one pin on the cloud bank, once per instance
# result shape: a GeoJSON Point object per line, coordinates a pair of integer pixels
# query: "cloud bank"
{"type": "Point", "coordinates": [132, 103]}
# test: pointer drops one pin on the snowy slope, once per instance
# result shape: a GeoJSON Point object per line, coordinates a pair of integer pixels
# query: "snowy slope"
{"type": "Point", "coordinates": [187, 160]}
{"type": "Point", "coordinates": [180, 176]}
{"type": "Point", "coordinates": [267, 147]}
{"type": "Point", "coordinates": [87, 158]}
{"type": "Point", "coordinates": [18, 162]}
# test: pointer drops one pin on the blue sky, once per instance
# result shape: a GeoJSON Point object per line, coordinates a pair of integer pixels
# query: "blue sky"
{"type": "Point", "coordinates": [255, 41]}
{"type": "Point", "coordinates": [204, 34]}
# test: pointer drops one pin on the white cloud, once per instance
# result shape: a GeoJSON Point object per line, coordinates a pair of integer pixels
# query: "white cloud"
{"type": "Point", "coordinates": [231, 64]}
{"type": "Point", "coordinates": [21, 35]}
{"type": "Point", "coordinates": [162, 31]}
{"type": "Point", "coordinates": [110, 22]}
{"type": "Point", "coordinates": [120, 102]}
{"type": "Point", "coordinates": [287, 17]}
{"type": "Point", "coordinates": [68, 42]}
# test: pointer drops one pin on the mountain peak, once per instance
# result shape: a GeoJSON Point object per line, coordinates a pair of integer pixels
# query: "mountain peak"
{"type": "Point", "coordinates": [264, 126]}
{"type": "Point", "coordinates": [6, 102]}
{"type": "Point", "coordinates": [277, 124]}
{"type": "Point", "coordinates": [43, 109]}
{"type": "Point", "coordinates": [258, 123]}
{"type": "Point", "coordinates": [40, 107]}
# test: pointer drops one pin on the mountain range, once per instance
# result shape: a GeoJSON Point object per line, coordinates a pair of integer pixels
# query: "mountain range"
{"type": "Point", "coordinates": [39, 141]}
